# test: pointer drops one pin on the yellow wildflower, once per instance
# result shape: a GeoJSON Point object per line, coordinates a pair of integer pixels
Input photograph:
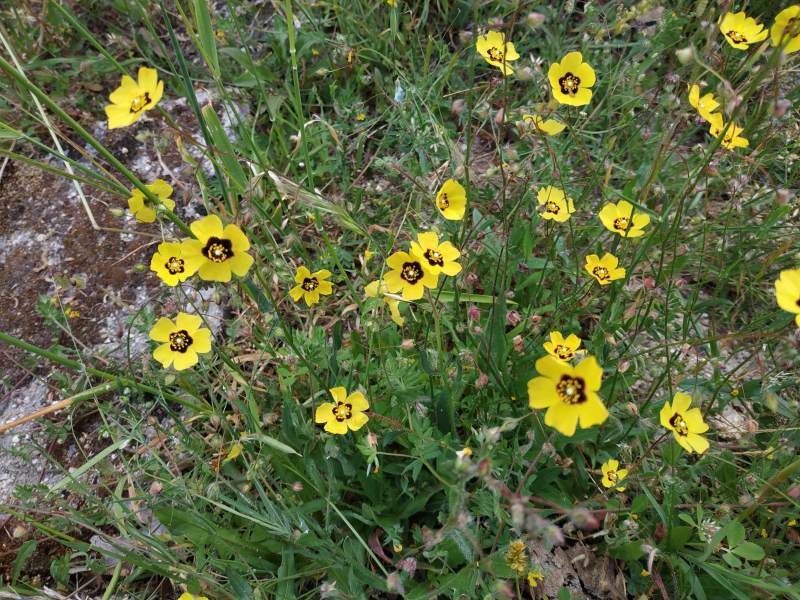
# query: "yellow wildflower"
{"type": "Point", "coordinates": [740, 31]}
{"type": "Point", "coordinates": [217, 252]}
{"type": "Point", "coordinates": [787, 292]}
{"type": "Point", "coordinates": [732, 137]}
{"type": "Point", "coordinates": [685, 424]}
{"type": "Point", "coordinates": [141, 207]}
{"type": "Point", "coordinates": [624, 219]}
{"type": "Point", "coordinates": [310, 286]}
{"type": "Point", "coordinates": [131, 99]}
{"type": "Point", "coordinates": [545, 126]}
{"type": "Point", "coordinates": [568, 393]}
{"type": "Point", "coordinates": [439, 258]}
{"type": "Point", "coordinates": [605, 269]}
{"type": "Point", "coordinates": [556, 204]}
{"type": "Point", "coordinates": [409, 275]}
{"type": "Point", "coordinates": [169, 265]}
{"type": "Point", "coordinates": [378, 287]}
{"type": "Point", "coordinates": [496, 51]}
{"type": "Point", "coordinates": [563, 349]}
{"type": "Point", "coordinates": [571, 80]}
{"type": "Point", "coordinates": [345, 412]}
{"type": "Point", "coordinates": [613, 475]}
{"type": "Point", "coordinates": [785, 31]}
{"type": "Point", "coordinates": [535, 577]}
{"type": "Point", "coordinates": [181, 341]}
{"type": "Point", "coordinates": [451, 200]}
{"type": "Point", "coordinates": [705, 105]}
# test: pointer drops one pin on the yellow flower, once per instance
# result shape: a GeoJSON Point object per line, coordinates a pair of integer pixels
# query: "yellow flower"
{"type": "Point", "coordinates": [451, 200]}
{"type": "Point", "coordinates": [623, 219]}
{"type": "Point", "coordinates": [497, 52]}
{"type": "Point", "coordinates": [546, 126]}
{"type": "Point", "coordinates": [732, 137]}
{"type": "Point", "coordinates": [438, 258]}
{"type": "Point", "coordinates": [563, 349]}
{"type": "Point", "coordinates": [169, 265]}
{"type": "Point", "coordinates": [217, 252]}
{"type": "Point", "coordinates": [181, 341]}
{"type": "Point", "coordinates": [409, 275]}
{"type": "Point", "coordinates": [791, 522]}
{"type": "Point", "coordinates": [605, 269]}
{"type": "Point", "coordinates": [517, 557]}
{"type": "Point", "coordinates": [310, 285]}
{"type": "Point", "coordinates": [131, 98]}
{"type": "Point", "coordinates": [556, 204]}
{"type": "Point", "coordinates": [534, 577]}
{"type": "Point", "coordinates": [188, 596]}
{"type": "Point", "coordinates": [361, 116]}
{"type": "Point", "coordinates": [571, 80]}
{"type": "Point", "coordinates": [705, 105]}
{"type": "Point", "coordinates": [645, 573]}
{"type": "Point", "coordinates": [740, 30]}
{"type": "Point", "coordinates": [345, 412]}
{"type": "Point", "coordinates": [374, 288]}
{"type": "Point", "coordinates": [141, 207]}
{"type": "Point", "coordinates": [787, 292]}
{"type": "Point", "coordinates": [391, 3]}
{"type": "Point", "coordinates": [785, 30]}
{"type": "Point", "coordinates": [612, 474]}
{"type": "Point", "coordinates": [685, 424]}
{"type": "Point", "coordinates": [568, 393]}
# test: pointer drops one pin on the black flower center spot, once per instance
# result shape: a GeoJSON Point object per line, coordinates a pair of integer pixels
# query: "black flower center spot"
{"type": "Point", "coordinates": [569, 84]}
{"type": "Point", "coordinates": [179, 341]}
{"type": "Point", "coordinates": [736, 37]}
{"type": "Point", "coordinates": [552, 207]}
{"type": "Point", "coordinates": [434, 257]}
{"type": "Point", "coordinates": [798, 302]}
{"type": "Point", "coordinates": [174, 265]}
{"type": "Point", "coordinates": [601, 273]}
{"type": "Point", "coordinates": [679, 424]}
{"type": "Point", "coordinates": [563, 352]}
{"type": "Point", "coordinates": [622, 223]}
{"type": "Point", "coordinates": [495, 54]}
{"type": "Point", "coordinates": [310, 284]}
{"type": "Point", "coordinates": [571, 390]}
{"type": "Point", "coordinates": [612, 476]}
{"type": "Point", "coordinates": [342, 411]}
{"type": "Point", "coordinates": [218, 249]}
{"type": "Point", "coordinates": [140, 102]}
{"type": "Point", "coordinates": [411, 272]}
{"type": "Point", "coordinates": [792, 27]}
{"type": "Point", "coordinates": [444, 202]}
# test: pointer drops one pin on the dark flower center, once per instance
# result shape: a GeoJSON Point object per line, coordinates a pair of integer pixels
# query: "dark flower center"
{"type": "Point", "coordinates": [342, 411]}
{"type": "Point", "coordinates": [140, 102]}
{"type": "Point", "coordinates": [218, 249]}
{"type": "Point", "coordinates": [434, 257]}
{"type": "Point", "coordinates": [622, 223]}
{"type": "Point", "coordinates": [601, 273]}
{"type": "Point", "coordinates": [612, 476]}
{"type": "Point", "coordinates": [563, 352]}
{"type": "Point", "coordinates": [179, 341]}
{"type": "Point", "coordinates": [174, 265]}
{"type": "Point", "coordinates": [736, 37]}
{"type": "Point", "coordinates": [411, 272]}
{"type": "Point", "coordinates": [552, 207]}
{"type": "Point", "coordinates": [569, 84]}
{"type": "Point", "coordinates": [444, 202]}
{"type": "Point", "coordinates": [571, 390]}
{"type": "Point", "coordinates": [310, 284]}
{"type": "Point", "coordinates": [495, 54]}
{"type": "Point", "coordinates": [679, 424]}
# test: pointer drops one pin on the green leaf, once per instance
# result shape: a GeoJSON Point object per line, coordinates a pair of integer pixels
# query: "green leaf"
{"type": "Point", "coordinates": [677, 537]}
{"type": "Point", "coordinates": [205, 32]}
{"type": "Point", "coordinates": [275, 444]}
{"type": "Point", "coordinates": [731, 560]}
{"type": "Point", "coordinates": [735, 533]}
{"type": "Point", "coordinates": [23, 554]}
{"type": "Point", "coordinates": [749, 551]}
{"type": "Point", "coordinates": [225, 149]}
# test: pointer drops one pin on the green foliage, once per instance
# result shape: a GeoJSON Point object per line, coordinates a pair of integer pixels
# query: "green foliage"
{"type": "Point", "coordinates": [453, 464]}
